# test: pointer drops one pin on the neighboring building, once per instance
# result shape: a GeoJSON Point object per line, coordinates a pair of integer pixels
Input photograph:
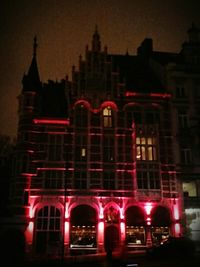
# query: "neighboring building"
{"type": "Point", "coordinates": [184, 81]}
{"type": "Point", "coordinates": [100, 158]}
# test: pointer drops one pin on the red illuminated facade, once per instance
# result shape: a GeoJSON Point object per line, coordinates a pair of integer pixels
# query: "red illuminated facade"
{"type": "Point", "coordinates": [96, 159]}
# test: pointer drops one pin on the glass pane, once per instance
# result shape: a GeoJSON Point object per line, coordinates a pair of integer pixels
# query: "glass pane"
{"type": "Point", "coordinates": [52, 211]}
{"type": "Point", "coordinates": [51, 224]}
{"type": "Point", "coordinates": [150, 155]}
{"type": "Point", "coordinates": [46, 211]}
{"type": "Point", "coordinates": [143, 153]}
{"type": "Point", "coordinates": [137, 140]}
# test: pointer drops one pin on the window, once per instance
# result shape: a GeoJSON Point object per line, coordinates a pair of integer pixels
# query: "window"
{"type": "Point", "coordinates": [48, 229]}
{"type": "Point", "coordinates": [180, 92]}
{"type": "Point", "coordinates": [146, 148]}
{"type": "Point", "coordinates": [133, 116]}
{"type": "Point", "coordinates": [107, 117]}
{"type": "Point", "coordinates": [189, 189]}
{"type": "Point", "coordinates": [148, 180]}
{"type": "Point", "coordinates": [108, 180]}
{"type": "Point", "coordinates": [53, 179]}
{"type": "Point", "coordinates": [152, 117]}
{"type": "Point", "coordinates": [95, 148]}
{"type": "Point", "coordinates": [108, 148]}
{"type": "Point", "coordinates": [95, 179]}
{"type": "Point", "coordinates": [182, 120]}
{"type": "Point", "coordinates": [186, 156]}
{"type": "Point", "coordinates": [80, 179]}
{"type": "Point", "coordinates": [83, 152]}
{"type": "Point", "coordinates": [81, 116]}
{"type": "Point", "coordinates": [55, 147]}
{"type": "Point", "coordinates": [80, 147]}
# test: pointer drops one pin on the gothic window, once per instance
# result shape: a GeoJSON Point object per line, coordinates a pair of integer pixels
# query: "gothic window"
{"type": "Point", "coordinates": [146, 148]}
{"type": "Point", "coordinates": [107, 117]}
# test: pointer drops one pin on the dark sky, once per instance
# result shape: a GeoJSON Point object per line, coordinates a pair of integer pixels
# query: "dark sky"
{"type": "Point", "coordinates": [63, 29]}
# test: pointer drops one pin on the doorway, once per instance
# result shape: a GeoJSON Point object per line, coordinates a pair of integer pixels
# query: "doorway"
{"type": "Point", "coordinates": [111, 238]}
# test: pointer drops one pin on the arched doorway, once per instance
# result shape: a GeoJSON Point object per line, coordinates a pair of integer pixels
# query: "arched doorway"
{"type": "Point", "coordinates": [83, 221]}
{"type": "Point", "coordinates": [111, 238]}
{"type": "Point", "coordinates": [160, 221]}
{"type": "Point", "coordinates": [135, 226]}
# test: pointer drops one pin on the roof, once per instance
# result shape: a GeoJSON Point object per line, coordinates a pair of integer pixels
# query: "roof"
{"type": "Point", "coordinates": [137, 74]}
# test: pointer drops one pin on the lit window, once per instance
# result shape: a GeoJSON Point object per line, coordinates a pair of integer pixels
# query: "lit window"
{"type": "Point", "coordinates": [80, 147]}
{"type": "Point", "coordinates": [83, 152]}
{"type": "Point", "coordinates": [189, 189]}
{"type": "Point", "coordinates": [107, 117]}
{"type": "Point", "coordinates": [146, 148]}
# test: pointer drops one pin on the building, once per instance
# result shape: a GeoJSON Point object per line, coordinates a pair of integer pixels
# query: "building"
{"type": "Point", "coordinates": [101, 159]}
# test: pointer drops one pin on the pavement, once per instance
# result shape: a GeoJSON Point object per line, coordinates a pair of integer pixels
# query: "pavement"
{"type": "Point", "coordinates": [128, 259]}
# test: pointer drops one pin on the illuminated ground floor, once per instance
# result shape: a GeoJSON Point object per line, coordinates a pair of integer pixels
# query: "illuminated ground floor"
{"type": "Point", "coordinates": [80, 225]}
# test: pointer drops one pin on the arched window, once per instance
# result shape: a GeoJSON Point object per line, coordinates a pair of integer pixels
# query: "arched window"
{"type": "Point", "coordinates": [83, 221]}
{"type": "Point", "coordinates": [135, 226]}
{"type": "Point", "coordinates": [81, 116]}
{"type": "Point", "coordinates": [107, 117]}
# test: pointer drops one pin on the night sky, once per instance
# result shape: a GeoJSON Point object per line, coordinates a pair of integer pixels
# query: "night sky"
{"type": "Point", "coordinates": [65, 27]}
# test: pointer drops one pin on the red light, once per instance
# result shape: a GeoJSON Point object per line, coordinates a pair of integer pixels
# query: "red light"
{"type": "Point", "coordinates": [177, 229]}
{"type": "Point", "coordinates": [148, 208]}
{"type": "Point", "coordinates": [121, 213]}
{"type": "Point", "coordinates": [66, 213]}
{"type": "Point", "coordinates": [29, 233]}
{"type": "Point", "coordinates": [101, 231]}
{"type": "Point", "coordinates": [109, 103]}
{"type": "Point", "coordinates": [51, 121]}
{"type": "Point", "coordinates": [165, 95]}
{"type": "Point", "coordinates": [50, 169]}
{"type": "Point", "coordinates": [128, 93]}
{"type": "Point", "coordinates": [31, 212]}
{"type": "Point", "coordinates": [96, 110]}
{"type": "Point", "coordinates": [122, 229]}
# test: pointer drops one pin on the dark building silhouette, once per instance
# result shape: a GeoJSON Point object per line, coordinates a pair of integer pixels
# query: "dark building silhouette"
{"type": "Point", "coordinates": [109, 159]}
